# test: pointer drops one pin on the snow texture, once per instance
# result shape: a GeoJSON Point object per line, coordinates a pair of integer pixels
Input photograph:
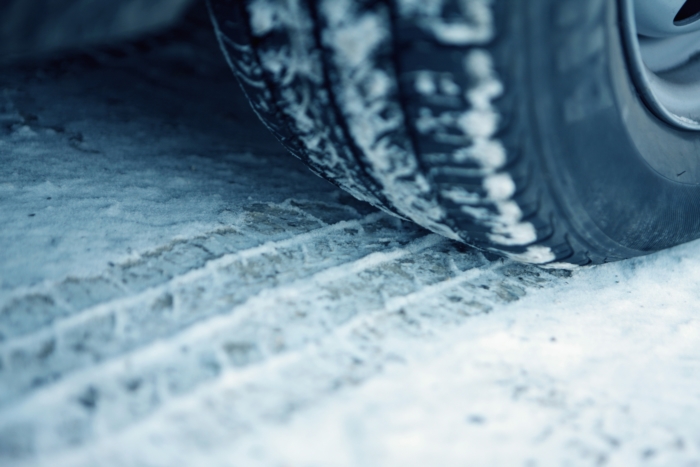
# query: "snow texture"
{"type": "Point", "coordinates": [176, 290]}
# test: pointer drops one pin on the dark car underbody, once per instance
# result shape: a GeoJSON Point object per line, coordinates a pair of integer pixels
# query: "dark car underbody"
{"type": "Point", "coordinates": [35, 27]}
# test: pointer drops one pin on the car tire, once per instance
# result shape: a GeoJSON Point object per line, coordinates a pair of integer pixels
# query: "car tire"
{"type": "Point", "coordinates": [514, 126]}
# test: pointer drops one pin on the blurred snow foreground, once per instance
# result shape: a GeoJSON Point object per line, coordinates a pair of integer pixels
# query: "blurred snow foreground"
{"type": "Point", "coordinates": [176, 290]}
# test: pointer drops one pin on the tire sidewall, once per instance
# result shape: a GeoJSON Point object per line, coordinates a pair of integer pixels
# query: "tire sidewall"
{"type": "Point", "coordinates": [626, 181]}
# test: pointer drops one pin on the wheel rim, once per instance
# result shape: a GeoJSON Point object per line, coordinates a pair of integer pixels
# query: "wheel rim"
{"type": "Point", "coordinates": [663, 38]}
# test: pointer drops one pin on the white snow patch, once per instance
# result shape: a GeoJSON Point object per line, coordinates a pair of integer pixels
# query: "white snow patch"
{"type": "Point", "coordinates": [461, 196]}
{"type": "Point", "coordinates": [515, 234]}
{"type": "Point", "coordinates": [491, 155]}
{"type": "Point", "coordinates": [535, 255]}
{"type": "Point", "coordinates": [478, 123]}
{"type": "Point", "coordinates": [448, 86]}
{"type": "Point", "coordinates": [425, 84]}
{"type": "Point", "coordinates": [475, 26]}
{"type": "Point", "coordinates": [499, 187]}
{"type": "Point", "coordinates": [356, 42]}
{"type": "Point", "coordinates": [264, 17]}
{"type": "Point", "coordinates": [561, 266]}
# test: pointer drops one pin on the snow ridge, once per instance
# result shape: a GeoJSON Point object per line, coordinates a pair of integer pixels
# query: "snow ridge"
{"type": "Point", "coordinates": [262, 369]}
{"type": "Point", "coordinates": [117, 326]}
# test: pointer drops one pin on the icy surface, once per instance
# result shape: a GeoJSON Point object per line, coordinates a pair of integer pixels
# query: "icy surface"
{"type": "Point", "coordinates": [176, 290]}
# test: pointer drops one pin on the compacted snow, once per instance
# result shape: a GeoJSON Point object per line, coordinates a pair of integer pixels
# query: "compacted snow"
{"type": "Point", "coordinates": [176, 290]}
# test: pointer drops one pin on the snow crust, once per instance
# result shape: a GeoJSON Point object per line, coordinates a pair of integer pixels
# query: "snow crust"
{"type": "Point", "coordinates": [600, 370]}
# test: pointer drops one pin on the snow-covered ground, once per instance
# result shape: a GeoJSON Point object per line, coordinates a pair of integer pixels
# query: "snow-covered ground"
{"type": "Point", "coordinates": [176, 290]}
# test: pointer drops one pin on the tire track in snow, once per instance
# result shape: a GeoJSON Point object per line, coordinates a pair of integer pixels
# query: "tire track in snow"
{"type": "Point", "coordinates": [118, 326]}
{"type": "Point", "coordinates": [29, 308]}
{"type": "Point", "coordinates": [117, 393]}
{"type": "Point", "coordinates": [269, 393]}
